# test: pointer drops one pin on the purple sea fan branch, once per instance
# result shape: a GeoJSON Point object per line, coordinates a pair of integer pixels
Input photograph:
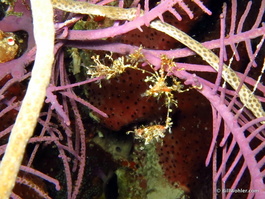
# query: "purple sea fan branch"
{"type": "Point", "coordinates": [122, 29]}
{"type": "Point", "coordinates": [87, 104]}
{"type": "Point", "coordinates": [41, 175]}
{"type": "Point", "coordinates": [5, 132]}
{"type": "Point", "coordinates": [249, 157]}
{"type": "Point", "coordinates": [15, 196]}
{"type": "Point", "coordinates": [239, 138]}
{"type": "Point", "coordinates": [51, 98]}
{"type": "Point", "coordinates": [9, 108]}
{"type": "Point", "coordinates": [257, 133]}
{"type": "Point", "coordinates": [216, 126]}
{"type": "Point", "coordinates": [11, 82]}
{"type": "Point", "coordinates": [33, 186]}
{"type": "Point", "coordinates": [58, 88]}
{"type": "Point", "coordinates": [222, 53]}
{"type": "Point", "coordinates": [43, 130]}
{"type": "Point", "coordinates": [236, 181]}
{"type": "Point", "coordinates": [252, 58]}
{"type": "Point", "coordinates": [174, 53]}
{"type": "Point", "coordinates": [80, 147]}
{"type": "Point", "coordinates": [67, 169]}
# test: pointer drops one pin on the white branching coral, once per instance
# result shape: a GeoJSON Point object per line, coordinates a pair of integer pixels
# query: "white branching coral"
{"type": "Point", "coordinates": [29, 112]}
